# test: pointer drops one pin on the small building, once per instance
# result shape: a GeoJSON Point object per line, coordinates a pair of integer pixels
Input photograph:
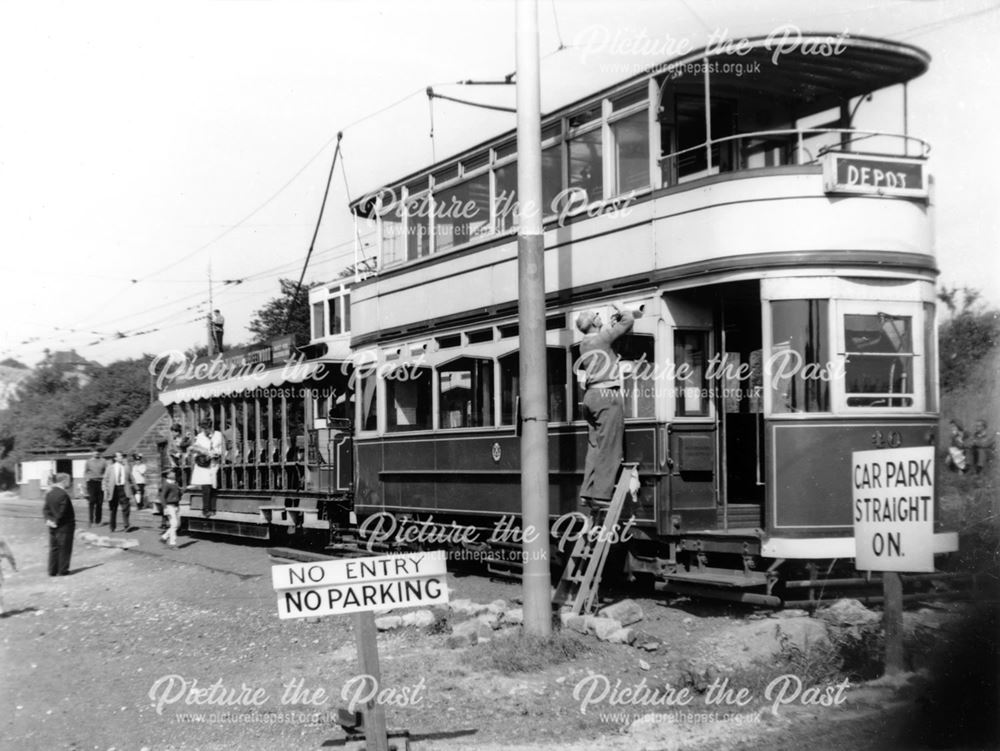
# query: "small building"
{"type": "Point", "coordinates": [38, 469]}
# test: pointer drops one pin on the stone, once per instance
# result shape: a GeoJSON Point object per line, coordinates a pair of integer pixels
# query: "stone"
{"type": "Point", "coordinates": [514, 616]}
{"type": "Point", "coordinates": [578, 623]}
{"type": "Point", "coordinates": [484, 632]}
{"type": "Point", "coordinates": [848, 612]}
{"type": "Point", "coordinates": [497, 606]}
{"type": "Point", "coordinates": [602, 628]}
{"type": "Point", "coordinates": [458, 641]}
{"type": "Point", "coordinates": [650, 646]}
{"type": "Point", "coordinates": [622, 636]}
{"type": "Point", "coordinates": [742, 644]}
{"type": "Point", "coordinates": [625, 612]}
{"type": "Point", "coordinates": [467, 632]}
{"type": "Point", "coordinates": [460, 605]}
{"type": "Point", "coordinates": [388, 622]}
{"type": "Point", "coordinates": [419, 618]}
{"type": "Point", "coordinates": [643, 665]}
{"type": "Point", "coordinates": [790, 613]}
{"type": "Point", "coordinates": [490, 618]}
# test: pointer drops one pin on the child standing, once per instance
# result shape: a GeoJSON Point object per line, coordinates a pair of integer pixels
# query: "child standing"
{"type": "Point", "coordinates": [170, 496]}
{"type": "Point", "coordinates": [5, 552]}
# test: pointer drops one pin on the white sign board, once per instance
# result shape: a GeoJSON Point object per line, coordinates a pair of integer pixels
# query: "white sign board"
{"type": "Point", "coordinates": [354, 585]}
{"type": "Point", "coordinates": [893, 493]}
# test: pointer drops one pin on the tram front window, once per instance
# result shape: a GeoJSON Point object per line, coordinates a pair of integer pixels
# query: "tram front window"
{"type": "Point", "coordinates": [878, 360]}
{"type": "Point", "coordinates": [798, 369]}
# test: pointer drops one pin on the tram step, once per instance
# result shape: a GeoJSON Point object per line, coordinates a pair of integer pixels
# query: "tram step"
{"type": "Point", "coordinates": [719, 576]}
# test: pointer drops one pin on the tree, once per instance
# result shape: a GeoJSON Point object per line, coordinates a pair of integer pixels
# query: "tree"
{"type": "Point", "coordinates": [968, 336]}
{"type": "Point", "coordinates": [10, 362]}
{"type": "Point", "coordinates": [286, 314]}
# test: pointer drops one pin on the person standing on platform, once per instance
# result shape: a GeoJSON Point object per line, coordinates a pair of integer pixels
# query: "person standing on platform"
{"type": "Point", "coordinates": [119, 491]}
{"type": "Point", "coordinates": [93, 474]}
{"type": "Point", "coordinates": [61, 520]}
{"type": "Point", "coordinates": [603, 406]}
{"type": "Point", "coordinates": [139, 480]}
{"type": "Point", "coordinates": [170, 496]}
{"type": "Point", "coordinates": [217, 324]}
{"type": "Point", "coordinates": [207, 450]}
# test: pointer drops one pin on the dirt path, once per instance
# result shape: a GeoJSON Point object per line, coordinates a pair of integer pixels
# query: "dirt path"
{"type": "Point", "coordinates": [157, 649]}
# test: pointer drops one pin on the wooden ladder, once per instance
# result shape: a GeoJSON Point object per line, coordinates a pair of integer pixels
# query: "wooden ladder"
{"type": "Point", "coordinates": [577, 589]}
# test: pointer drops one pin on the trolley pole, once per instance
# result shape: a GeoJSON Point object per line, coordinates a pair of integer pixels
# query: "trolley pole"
{"type": "Point", "coordinates": [531, 312]}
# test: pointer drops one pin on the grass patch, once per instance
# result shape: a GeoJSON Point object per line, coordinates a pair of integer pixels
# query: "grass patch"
{"type": "Point", "coordinates": [528, 653]}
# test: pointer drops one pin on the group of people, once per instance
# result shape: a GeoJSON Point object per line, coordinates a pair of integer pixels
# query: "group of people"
{"type": "Point", "coordinates": [970, 452]}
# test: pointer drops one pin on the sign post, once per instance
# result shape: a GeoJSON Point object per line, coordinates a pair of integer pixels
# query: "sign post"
{"type": "Point", "coordinates": [360, 586]}
{"type": "Point", "coordinates": [893, 494]}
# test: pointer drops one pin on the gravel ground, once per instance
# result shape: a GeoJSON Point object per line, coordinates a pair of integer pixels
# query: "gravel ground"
{"type": "Point", "coordinates": [116, 655]}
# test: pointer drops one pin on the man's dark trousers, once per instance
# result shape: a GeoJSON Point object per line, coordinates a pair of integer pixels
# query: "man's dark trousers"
{"type": "Point", "coordinates": [60, 549]}
{"type": "Point", "coordinates": [95, 500]}
{"type": "Point", "coordinates": [604, 412]}
{"type": "Point", "coordinates": [119, 496]}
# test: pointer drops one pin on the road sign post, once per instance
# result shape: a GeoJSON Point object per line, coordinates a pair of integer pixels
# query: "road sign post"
{"type": "Point", "coordinates": [893, 493]}
{"type": "Point", "coordinates": [360, 586]}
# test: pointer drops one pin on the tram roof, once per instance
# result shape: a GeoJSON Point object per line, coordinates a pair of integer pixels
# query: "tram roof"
{"type": "Point", "coordinates": [822, 70]}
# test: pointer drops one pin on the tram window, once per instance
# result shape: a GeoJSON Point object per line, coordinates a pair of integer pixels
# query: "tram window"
{"type": "Point", "coordinates": [798, 369]}
{"type": "Point", "coordinates": [505, 197]}
{"type": "Point", "coordinates": [465, 393]}
{"type": "Point", "coordinates": [878, 367]}
{"type": "Point", "coordinates": [586, 164]}
{"type": "Point", "coordinates": [638, 357]}
{"type": "Point", "coordinates": [418, 239]}
{"type": "Point", "coordinates": [691, 377]}
{"type": "Point", "coordinates": [336, 320]}
{"type": "Point", "coordinates": [369, 402]}
{"type": "Point", "coordinates": [317, 321]}
{"type": "Point", "coordinates": [930, 358]}
{"type": "Point", "coordinates": [552, 178]}
{"type": "Point", "coordinates": [510, 385]}
{"type": "Point", "coordinates": [630, 149]}
{"type": "Point", "coordinates": [408, 395]}
{"type": "Point", "coordinates": [393, 236]}
{"type": "Point", "coordinates": [461, 213]}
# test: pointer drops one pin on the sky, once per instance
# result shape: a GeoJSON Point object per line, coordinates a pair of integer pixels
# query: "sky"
{"type": "Point", "coordinates": [148, 147]}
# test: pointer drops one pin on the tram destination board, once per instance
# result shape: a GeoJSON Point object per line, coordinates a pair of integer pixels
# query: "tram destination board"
{"type": "Point", "coordinates": [874, 175]}
{"type": "Point", "coordinates": [893, 494]}
{"type": "Point", "coordinates": [356, 585]}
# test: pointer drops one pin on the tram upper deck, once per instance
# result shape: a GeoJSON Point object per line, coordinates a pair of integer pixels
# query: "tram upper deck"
{"type": "Point", "coordinates": [635, 194]}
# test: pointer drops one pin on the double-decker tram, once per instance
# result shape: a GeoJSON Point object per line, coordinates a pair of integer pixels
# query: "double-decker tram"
{"type": "Point", "coordinates": [783, 260]}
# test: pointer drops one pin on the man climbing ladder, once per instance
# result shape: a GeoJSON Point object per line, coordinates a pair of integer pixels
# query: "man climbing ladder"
{"type": "Point", "coordinates": [603, 408]}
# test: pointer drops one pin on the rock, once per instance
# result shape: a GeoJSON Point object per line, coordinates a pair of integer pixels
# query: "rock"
{"type": "Point", "coordinates": [622, 636]}
{"type": "Point", "coordinates": [625, 612]}
{"type": "Point", "coordinates": [514, 616]}
{"type": "Point", "coordinates": [484, 632]}
{"type": "Point", "coordinates": [848, 612]}
{"type": "Point", "coordinates": [643, 665]}
{"type": "Point", "coordinates": [650, 646]}
{"type": "Point", "coordinates": [458, 641]}
{"type": "Point", "coordinates": [388, 622]}
{"type": "Point", "coordinates": [578, 623]}
{"type": "Point", "coordinates": [602, 628]}
{"type": "Point", "coordinates": [490, 618]}
{"type": "Point", "coordinates": [497, 606]}
{"type": "Point", "coordinates": [742, 644]}
{"type": "Point", "coordinates": [419, 618]}
{"type": "Point", "coordinates": [790, 613]}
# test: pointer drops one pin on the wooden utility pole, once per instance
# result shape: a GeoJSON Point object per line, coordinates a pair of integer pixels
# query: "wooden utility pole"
{"type": "Point", "coordinates": [531, 320]}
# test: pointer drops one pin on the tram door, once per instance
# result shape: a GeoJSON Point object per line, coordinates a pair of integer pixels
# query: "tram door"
{"type": "Point", "coordinates": [740, 406]}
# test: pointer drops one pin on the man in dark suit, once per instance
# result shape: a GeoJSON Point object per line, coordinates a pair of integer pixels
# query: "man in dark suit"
{"type": "Point", "coordinates": [61, 521]}
{"type": "Point", "coordinates": [118, 489]}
